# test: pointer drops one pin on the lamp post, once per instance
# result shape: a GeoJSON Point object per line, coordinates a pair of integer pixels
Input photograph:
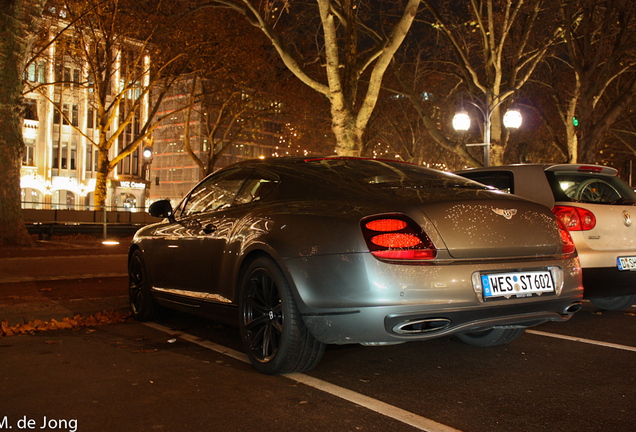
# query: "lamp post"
{"type": "Point", "coordinates": [145, 171]}
{"type": "Point", "coordinates": [461, 121]}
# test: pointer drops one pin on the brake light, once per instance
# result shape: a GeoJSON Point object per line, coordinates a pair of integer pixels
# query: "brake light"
{"type": "Point", "coordinates": [397, 237]}
{"type": "Point", "coordinates": [395, 240]}
{"type": "Point", "coordinates": [386, 225]}
{"type": "Point", "coordinates": [596, 169]}
{"type": "Point", "coordinates": [568, 243]}
{"type": "Point", "coordinates": [575, 218]}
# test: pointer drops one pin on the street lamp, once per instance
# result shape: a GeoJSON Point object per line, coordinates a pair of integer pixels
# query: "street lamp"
{"type": "Point", "coordinates": [512, 119]}
{"type": "Point", "coordinates": [461, 121]}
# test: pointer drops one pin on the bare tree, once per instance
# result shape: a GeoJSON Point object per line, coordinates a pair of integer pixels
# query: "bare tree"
{"type": "Point", "coordinates": [428, 91]}
{"type": "Point", "coordinates": [19, 20]}
{"type": "Point", "coordinates": [600, 56]}
{"type": "Point", "coordinates": [123, 67]}
{"type": "Point", "coordinates": [233, 89]}
{"type": "Point", "coordinates": [338, 37]}
{"type": "Point", "coordinates": [229, 114]}
{"type": "Point", "coordinates": [111, 47]}
{"type": "Point", "coordinates": [497, 45]}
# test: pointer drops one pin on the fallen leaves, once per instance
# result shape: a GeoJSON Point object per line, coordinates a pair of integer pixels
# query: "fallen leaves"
{"type": "Point", "coordinates": [105, 317]}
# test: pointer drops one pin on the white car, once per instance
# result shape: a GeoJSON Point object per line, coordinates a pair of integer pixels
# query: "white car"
{"type": "Point", "coordinates": [599, 210]}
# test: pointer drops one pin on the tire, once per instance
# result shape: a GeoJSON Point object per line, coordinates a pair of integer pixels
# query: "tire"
{"type": "Point", "coordinates": [142, 304]}
{"type": "Point", "coordinates": [614, 303]}
{"type": "Point", "coordinates": [274, 335]}
{"type": "Point", "coordinates": [492, 337]}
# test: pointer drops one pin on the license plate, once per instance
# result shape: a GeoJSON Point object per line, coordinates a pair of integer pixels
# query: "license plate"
{"type": "Point", "coordinates": [516, 284]}
{"type": "Point", "coordinates": [626, 263]}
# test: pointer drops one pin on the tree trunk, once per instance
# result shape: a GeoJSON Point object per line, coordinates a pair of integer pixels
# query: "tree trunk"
{"type": "Point", "coordinates": [101, 189]}
{"type": "Point", "coordinates": [348, 137]}
{"type": "Point", "coordinates": [570, 129]}
{"type": "Point", "coordinates": [12, 229]}
{"type": "Point", "coordinates": [18, 22]}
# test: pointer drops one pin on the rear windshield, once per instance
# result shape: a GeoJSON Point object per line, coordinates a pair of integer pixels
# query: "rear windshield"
{"type": "Point", "coordinates": [590, 188]}
{"type": "Point", "coordinates": [389, 174]}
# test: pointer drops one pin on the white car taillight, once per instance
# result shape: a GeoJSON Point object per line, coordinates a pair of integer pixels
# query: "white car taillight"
{"type": "Point", "coordinates": [575, 218]}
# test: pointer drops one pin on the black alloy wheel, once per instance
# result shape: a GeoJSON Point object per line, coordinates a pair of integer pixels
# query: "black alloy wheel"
{"type": "Point", "coordinates": [142, 304]}
{"type": "Point", "coordinates": [274, 336]}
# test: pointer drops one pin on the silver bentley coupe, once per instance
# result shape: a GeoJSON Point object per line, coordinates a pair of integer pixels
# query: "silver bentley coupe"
{"type": "Point", "coordinates": [307, 252]}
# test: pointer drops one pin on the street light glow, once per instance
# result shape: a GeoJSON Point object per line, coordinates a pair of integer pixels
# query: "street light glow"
{"type": "Point", "coordinates": [512, 119]}
{"type": "Point", "coordinates": [461, 121]}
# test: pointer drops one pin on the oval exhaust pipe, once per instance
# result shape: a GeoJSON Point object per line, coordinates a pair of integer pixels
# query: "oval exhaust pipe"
{"type": "Point", "coordinates": [574, 307]}
{"type": "Point", "coordinates": [421, 326]}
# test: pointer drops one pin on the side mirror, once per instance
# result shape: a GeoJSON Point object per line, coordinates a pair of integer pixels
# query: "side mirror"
{"type": "Point", "coordinates": [161, 209]}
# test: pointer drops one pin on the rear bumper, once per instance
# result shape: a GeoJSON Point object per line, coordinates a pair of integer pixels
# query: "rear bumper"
{"type": "Point", "coordinates": [403, 324]}
{"type": "Point", "coordinates": [604, 282]}
{"type": "Point", "coordinates": [355, 298]}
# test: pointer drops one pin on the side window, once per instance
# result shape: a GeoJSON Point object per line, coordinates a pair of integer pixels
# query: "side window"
{"type": "Point", "coordinates": [215, 192]}
{"type": "Point", "coordinates": [505, 182]}
{"type": "Point", "coordinates": [256, 187]}
{"type": "Point", "coordinates": [502, 180]}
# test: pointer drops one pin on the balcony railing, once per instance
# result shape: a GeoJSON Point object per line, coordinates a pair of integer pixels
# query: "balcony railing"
{"type": "Point", "coordinates": [38, 205]}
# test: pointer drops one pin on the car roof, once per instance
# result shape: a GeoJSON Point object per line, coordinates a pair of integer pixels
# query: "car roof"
{"type": "Point", "coordinates": [591, 168]}
{"type": "Point", "coordinates": [529, 181]}
{"type": "Point", "coordinates": [532, 184]}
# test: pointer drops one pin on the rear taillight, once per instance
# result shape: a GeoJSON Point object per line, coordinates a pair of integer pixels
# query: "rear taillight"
{"type": "Point", "coordinates": [397, 237]}
{"type": "Point", "coordinates": [575, 218]}
{"type": "Point", "coordinates": [386, 225]}
{"type": "Point", "coordinates": [568, 243]}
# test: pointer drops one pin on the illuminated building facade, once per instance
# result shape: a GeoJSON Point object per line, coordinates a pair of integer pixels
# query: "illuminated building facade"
{"type": "Point", "coordinates": [59, 165]}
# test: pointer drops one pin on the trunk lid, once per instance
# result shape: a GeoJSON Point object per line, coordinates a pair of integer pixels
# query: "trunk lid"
{"type": "Point", "coordinates": [506, 227]}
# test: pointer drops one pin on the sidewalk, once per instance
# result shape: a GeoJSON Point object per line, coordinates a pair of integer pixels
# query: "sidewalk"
{"type": "Point", "coordinates": [63, 278]}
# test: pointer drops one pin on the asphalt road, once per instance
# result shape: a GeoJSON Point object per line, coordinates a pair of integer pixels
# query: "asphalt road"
{"type": "Point", "coordinates": [189, 374]}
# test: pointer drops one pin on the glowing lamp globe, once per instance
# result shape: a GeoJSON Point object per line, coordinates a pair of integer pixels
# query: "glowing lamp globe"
{"type": "Point", "coordinates": [512, 119]}
{"type": "Point", "coordinates": [461, 121]}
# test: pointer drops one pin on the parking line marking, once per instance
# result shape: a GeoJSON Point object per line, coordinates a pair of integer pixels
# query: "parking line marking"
{"type": "Point", "coordinates": [583, 340]}
{"type": "Point", "coordinates": [406, 417]}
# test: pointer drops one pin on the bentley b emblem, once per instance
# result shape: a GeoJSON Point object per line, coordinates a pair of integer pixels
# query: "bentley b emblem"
{"type": "Point", "coordinates": [507, 213]}
{"type": "Point", "coordinates": [627, 219]}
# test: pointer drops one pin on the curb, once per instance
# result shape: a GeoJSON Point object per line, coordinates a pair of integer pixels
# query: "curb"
{"type": "Point", "coordinates": [18, 279]}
